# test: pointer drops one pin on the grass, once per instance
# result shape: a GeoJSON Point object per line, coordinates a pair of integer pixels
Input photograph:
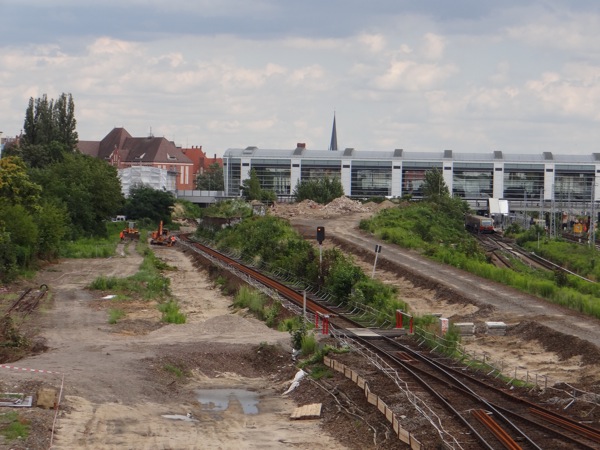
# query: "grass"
{"type": "Point", "coordinates": [170, 312]}
{"type": "Point", "coordinates": [12, 426]}
{"type": "Point", "coordinates": [174, 370]}
{"type": "Point", "coordinates": [148, 283]}
{"type": "Point", "coordinates": [114, 315]}
{"type": "Point", "coordinates": [93, 247]}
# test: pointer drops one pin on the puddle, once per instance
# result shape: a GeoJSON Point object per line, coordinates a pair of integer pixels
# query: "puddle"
{"type": "Point", "coordinates": [218, 399]}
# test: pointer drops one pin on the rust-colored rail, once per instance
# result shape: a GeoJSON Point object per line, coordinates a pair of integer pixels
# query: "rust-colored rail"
{"type": "Point", "coordinates": [284, 290]}
{"type": "Point", "coordinates": [496, 429]}
{"type": "Point", "coordinates": [589, 433]}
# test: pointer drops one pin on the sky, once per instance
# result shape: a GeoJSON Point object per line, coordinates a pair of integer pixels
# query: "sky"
{"type": "Point", "coordinates": [429, 75]}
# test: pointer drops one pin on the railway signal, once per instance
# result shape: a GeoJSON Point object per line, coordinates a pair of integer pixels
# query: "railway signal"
{"type": "Point", "coordinates": [320, 239]}
{"type": "Point", "coordinates": [320, 235]}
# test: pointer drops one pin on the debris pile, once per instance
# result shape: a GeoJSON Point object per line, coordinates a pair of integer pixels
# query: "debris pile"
{"type": "Point", "coordinates": [339, 206]}
{"type": "Point", "coordinates": [344, 205]}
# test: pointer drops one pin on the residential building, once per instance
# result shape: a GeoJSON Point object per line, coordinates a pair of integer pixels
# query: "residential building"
{"type": "Point", "coordinates": [122, 150]}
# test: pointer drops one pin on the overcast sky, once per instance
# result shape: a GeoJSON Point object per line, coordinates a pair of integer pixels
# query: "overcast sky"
{"type": "Point", "coordinates": [467, 75]}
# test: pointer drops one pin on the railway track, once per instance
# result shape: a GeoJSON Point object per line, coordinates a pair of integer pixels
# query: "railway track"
{"type": "Point", "coordinates": [501, 251]}
{"type": "Point", "coordinates": [28, 301]}
{"type": "Point", "coordinates": [484, 407]}
{"type": "Point", "coordinates": [476, 413]}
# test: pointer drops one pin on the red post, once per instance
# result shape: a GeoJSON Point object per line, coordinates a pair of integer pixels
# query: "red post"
{"type": "Point", "coordinates": [325, 325]}
{"type": "Point", "coordinates": [317, 320]}
{"type": "Point", "coordinates": [410, 328]}
{"type": "Point", "coordinates": [398, 318]}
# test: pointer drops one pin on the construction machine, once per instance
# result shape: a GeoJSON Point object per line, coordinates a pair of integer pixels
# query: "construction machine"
{"type": "Point", "coordinates": [162, 237]}
{"type": "Point", "coordinates": [131, 232]}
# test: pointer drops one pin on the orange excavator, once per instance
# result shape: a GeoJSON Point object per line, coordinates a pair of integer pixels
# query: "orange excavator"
{"type": "Point", "coordinates": [131, 232]}
{"type": "Point", "coordinates": [162, 237]}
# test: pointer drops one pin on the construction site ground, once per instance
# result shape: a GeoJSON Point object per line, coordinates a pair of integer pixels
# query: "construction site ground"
{"type": "Point", "coordinates": [140, 384]}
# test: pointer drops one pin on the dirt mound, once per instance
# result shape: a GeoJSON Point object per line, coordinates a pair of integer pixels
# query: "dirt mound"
{"type": "Point", "coordinates": [309, 208]}
{"type": "Point", "coordinates": [564, 346]}
{"type": "Point", "coordinates": [385, 205]}
{"type": "Point", "coordinates": [344, 204]}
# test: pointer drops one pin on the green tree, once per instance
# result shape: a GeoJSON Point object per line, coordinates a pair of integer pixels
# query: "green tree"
{"type": "Point", "coordinates": [88, 187]}
{"type": "Point", "coordinates": [16, 188]}
{"type": "Point", "coordinates": [8, 257]}
{"type": "Point", "coordinates": [19, 223]}
{"type": "Point", "coordinates": [434, 186]}
{"type": "Point", "coordinates": [65, 122]}
{"type": "Point", "coordinates": [49, 130]}
{"type": "Point", "coordinates": [252, 190]}
{"type": "Point", "coordinates": [321, 190]}
{"type": "Point", "coordinates": [53, 228]}
{"type": "Point", "coordinates": [212, 179]}
{"type": "Point", "coordinates": [146, 202]}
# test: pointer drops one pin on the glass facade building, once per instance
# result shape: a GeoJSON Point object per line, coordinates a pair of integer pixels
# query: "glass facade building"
{"type": "Point", "coordinates": [474, 177]}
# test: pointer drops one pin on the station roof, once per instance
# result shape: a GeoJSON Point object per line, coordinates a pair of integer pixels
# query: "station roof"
{"type": "Point", "coordinates": [301, 152]}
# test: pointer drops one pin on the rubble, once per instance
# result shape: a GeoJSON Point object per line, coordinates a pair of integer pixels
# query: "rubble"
{"type": "Point", "coordinates": [337, 207]}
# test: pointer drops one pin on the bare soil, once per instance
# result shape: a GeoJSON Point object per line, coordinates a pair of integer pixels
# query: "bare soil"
{"type": "Point", "coordinates": [118, 382]}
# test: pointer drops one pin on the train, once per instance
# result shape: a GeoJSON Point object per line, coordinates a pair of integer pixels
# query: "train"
{"type": "Point", "coordinates": [479, 224]}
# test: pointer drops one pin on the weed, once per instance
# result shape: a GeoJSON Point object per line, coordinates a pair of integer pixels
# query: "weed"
{"type": "Point", "coordinates": [271, 314]}
{"type": "Point", "coordinates": [12, 426]}
{"type": "Point", "coordinates": [320, 371]}
{"type": "Point", "coordinates": [309, 344]}
{"type": "Point", "coordinates": [170, 312]}
{"type": "Point", "coordinates": [252, 299]}
{"type": "Point", "coordinates": [103, 283]}
{"type": "Point", "coordinates": [174, 370]}
{"type": "Point", "coordinates": [114, 315]}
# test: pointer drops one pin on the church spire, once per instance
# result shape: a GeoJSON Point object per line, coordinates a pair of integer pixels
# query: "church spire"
{"type": "Point", "coordinates": [333, 145]}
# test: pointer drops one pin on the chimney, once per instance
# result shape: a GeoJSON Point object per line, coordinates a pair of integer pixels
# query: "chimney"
{"type": "Point", "coordinates": [301, 145]}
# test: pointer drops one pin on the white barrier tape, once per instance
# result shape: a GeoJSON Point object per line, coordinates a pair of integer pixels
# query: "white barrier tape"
{"type": "Point", "coordinates": [3, 366]}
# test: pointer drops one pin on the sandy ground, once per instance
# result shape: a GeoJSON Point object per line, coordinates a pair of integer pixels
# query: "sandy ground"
{"type": "Point", "coordinates": [109, 403]}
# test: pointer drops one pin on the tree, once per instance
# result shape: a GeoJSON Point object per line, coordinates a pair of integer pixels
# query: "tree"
{"type": "Point", "coordinates": [52, 223]}
{"type": "Point", "coordinates": [252, 190]}
{"type": "Point", "coordinates": [49, 130]}
{"type": "Point", "coordinates": [8, 258]}
{"type": "Point", "coordinates": [212, 179]}
{"type": "Point", "coordinates": [16, 188]}
{"type": "Point", "coordinates": [321, 190]}
{"type": "Point", "coordinates": [146, 202]}
{"type": "Point", "coordinates": [20, 225]}
{"type": "Point", "coordinates": [88, 187]}
{"type": "Point", "coordinates": [65, 123]}
{"type": "Point", "coordinates": [434, 186]}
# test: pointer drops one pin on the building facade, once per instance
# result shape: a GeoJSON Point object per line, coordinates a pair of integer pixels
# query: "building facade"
{"type": "Point", "coordinates": [122, 150]}
{"type": "Point", "coordinates": [473, 176]}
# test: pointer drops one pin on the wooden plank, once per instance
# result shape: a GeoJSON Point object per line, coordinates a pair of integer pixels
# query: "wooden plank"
{"type": "Point", "coordinates": [312, 411]}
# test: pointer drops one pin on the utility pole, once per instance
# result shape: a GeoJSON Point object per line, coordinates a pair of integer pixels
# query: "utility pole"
{"type": "Point", "coordinates": [377, 252]}
{"type": "Point", "coordinates": [593, 217]}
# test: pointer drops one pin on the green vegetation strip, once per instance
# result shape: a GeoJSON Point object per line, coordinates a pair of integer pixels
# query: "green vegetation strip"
{"type": "Point", "coordinates": [147, 284]}
{"type": "Point", "coordinates": [438, 232]}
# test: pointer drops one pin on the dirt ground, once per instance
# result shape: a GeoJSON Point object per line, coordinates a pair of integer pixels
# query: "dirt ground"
{"type": "Point", "coordinates": [217, 381]}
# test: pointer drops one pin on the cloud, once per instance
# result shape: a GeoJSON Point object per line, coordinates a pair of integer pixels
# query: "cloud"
{"type": "Point", "coordinates": [433, 46]}
{"type": "Point", "coordinates": [413, 76]}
